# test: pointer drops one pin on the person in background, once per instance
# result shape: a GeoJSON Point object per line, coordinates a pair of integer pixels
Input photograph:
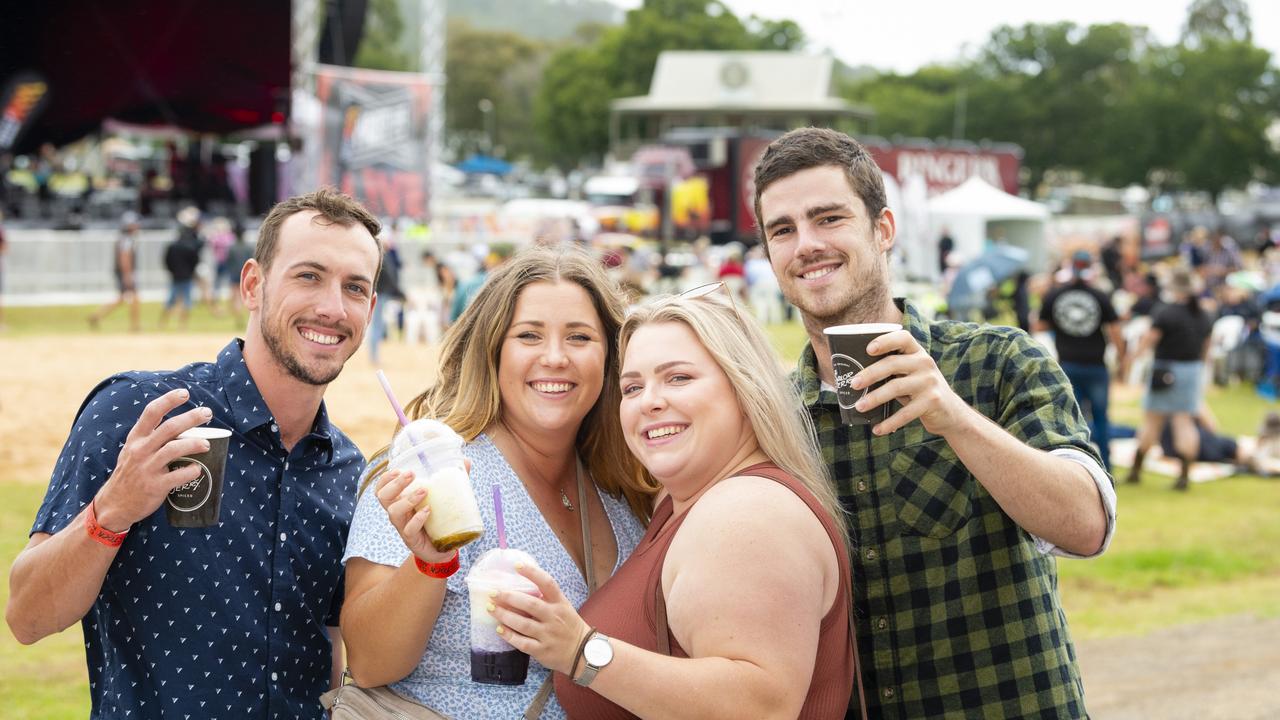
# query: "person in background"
{"type": "Point", "coordinates": [220, 238]}
{"type": "Point", "coordinates": [237, 255]}
{"type": "Point", "coordinates": [468, 289]}
{"type": "Point", "coordinates": [1222, 257]}
{"type": "Point", "coordinates": [1180, 333]}
{"type": "Point", "coordinates": [959, 500]}
{"type": "Point", "coordinates": [1112, 262]}
{"type": "Point", "coordinates": [946, 244]}
{"type": "Point", "coordinates": [392, 295]}
{"type": "Point", "coordinates": [529, 376]}
{"type": "Point", "coordinates": [181, 259]}
{"type": "Point", "coordinates": [1082, 320]}
{"type": "Point", "coordinates": [1147, 296]}
{"type": "Point", "coordinates": [762, 288]}
{"type": "Point", "coordinates": [125, 268]}
{"type": "Point", "coordinates": [237, 620]}
{"type": "Point", "coordinates": [709, 412]}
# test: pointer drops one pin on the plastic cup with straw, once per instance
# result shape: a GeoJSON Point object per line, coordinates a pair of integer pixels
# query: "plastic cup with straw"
{"type": "Point", "coordinates": [432, 451]}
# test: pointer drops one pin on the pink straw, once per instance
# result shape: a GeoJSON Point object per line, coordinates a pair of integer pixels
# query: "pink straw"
{"type": "Point", "coordinates": [497, 513]}
{"type": "Point", "coordinates": [395, 405]}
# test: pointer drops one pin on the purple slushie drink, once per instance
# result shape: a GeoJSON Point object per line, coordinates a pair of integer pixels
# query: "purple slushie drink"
{"type": "Point", "coordinates": [493, 660]}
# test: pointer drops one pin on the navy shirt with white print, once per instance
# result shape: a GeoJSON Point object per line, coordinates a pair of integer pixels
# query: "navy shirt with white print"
{"type": "Point", "coordinates": [220, 622]}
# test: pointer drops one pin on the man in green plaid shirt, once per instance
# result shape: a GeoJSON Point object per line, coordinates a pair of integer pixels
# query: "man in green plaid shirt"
{"type": "Point", "coordinates": [960, 499]}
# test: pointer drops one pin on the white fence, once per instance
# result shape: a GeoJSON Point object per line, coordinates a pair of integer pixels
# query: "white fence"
{"type": "Point", "coordinates": [70, 267]}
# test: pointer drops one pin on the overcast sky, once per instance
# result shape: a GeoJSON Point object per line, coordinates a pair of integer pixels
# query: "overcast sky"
{"type": "Point", "coordinates": [903, 35]}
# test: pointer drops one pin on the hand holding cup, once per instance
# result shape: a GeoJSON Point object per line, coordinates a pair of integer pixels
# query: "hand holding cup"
{"type": "Point", "coordinates": [142, 479]}
{"type": "Point", "coordinates": [408, 507]}
{"type": "Point", "coordinates": [905, 372]}
{"type": "Point", "coordinates": [547, 628]}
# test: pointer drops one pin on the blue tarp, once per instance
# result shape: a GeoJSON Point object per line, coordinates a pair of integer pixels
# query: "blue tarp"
{"type": "Point", "coordinates": [483, 164]}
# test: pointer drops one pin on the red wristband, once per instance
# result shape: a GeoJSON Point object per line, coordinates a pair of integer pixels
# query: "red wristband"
{"type": "Point", "coordinates": [438, 570]}
{"type": "Point", "coordinates": [99, 533]}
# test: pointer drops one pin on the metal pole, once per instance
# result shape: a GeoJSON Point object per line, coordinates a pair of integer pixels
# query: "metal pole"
{"type": "Point", "coordinates": [432, 31]}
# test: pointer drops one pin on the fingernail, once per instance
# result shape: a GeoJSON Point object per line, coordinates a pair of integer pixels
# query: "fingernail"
{"type": "Point", "coordinates": [501, 630]}
{"type": "Point", "coordinates": [860, 405]}
{"type": "Point", "coordinates": [204, 446]}
{"type": "Point", "coordinates": [493, 593]}
{"type": "Point", "coordinates": [182, 393]}
{"type": "Point", "coordinates": [490, 607]}
{"type": "Point", "coordinates": [206, 412]}
{"type": "Point", "coordinates": [519, 566]}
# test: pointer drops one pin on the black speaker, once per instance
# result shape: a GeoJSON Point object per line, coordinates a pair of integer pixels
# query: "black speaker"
{"type": "Point", "coordinates": [262, 179]}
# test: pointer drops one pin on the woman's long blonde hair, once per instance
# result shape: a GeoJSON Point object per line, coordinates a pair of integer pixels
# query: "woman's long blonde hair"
{"type": "Point", "coordinates": [466, 397]}
{"type": "Point", "coordinates": [782, 427]}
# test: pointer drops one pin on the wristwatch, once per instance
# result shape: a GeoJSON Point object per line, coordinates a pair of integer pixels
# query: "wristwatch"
{"type": "Point", "coordinates": [597, 653]}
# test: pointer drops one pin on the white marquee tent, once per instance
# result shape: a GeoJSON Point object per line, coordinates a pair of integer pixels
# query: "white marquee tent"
{"type": "Point", "coordinates": [975, 212]}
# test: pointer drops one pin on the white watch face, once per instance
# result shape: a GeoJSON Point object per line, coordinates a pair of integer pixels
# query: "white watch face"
{"type": "Point", "coordinates": [598, 651]}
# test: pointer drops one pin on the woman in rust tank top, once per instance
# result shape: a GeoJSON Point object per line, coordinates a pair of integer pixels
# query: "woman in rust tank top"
{"type": "Point", "coordinates": [736, 601]}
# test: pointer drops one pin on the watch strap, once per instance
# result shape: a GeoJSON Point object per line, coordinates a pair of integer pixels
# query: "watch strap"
{"type": "Point", "coordinates": [590, 671]}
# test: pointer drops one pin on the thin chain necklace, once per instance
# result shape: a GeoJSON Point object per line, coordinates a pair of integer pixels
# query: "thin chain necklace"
{"type": "Point", "coordinates": [564, 498]}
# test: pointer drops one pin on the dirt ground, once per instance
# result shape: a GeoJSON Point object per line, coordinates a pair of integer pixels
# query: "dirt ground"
{"type": "Point", "coordinates": [1228, 668]}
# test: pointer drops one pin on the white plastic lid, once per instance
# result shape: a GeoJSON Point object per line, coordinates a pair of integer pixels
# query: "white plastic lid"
{"type": "Point", "coordinates": [431, 433]}
{"type": "Point", "coordinates": [497, 568]}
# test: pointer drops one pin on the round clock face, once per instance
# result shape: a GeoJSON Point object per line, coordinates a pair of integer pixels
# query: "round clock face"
{"type": "Point", "coordinates": [733, 74]}
{"type": "Point", "coordinates": [598, 651]}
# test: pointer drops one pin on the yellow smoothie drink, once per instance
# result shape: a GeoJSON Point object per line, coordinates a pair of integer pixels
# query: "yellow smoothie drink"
{"type": "Point", "coordinates": [433, 452]}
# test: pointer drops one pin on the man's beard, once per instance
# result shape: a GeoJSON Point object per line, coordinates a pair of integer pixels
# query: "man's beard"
{"type": "Point", "coordinates": [273, 334]}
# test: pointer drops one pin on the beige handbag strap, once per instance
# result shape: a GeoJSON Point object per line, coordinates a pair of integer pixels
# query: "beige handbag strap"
{"type": "Point", "coordinates": [544, 693]}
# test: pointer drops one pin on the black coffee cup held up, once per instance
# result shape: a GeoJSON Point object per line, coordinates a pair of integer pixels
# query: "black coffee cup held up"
{"type": "Point", "coordinates": [848, 358]}
{"type": "Point", "coordinates": [197, 504]}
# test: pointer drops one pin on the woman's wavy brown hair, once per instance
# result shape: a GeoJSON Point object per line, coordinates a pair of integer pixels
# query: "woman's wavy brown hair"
{"type": "Point", "coordinates": [466, 397]}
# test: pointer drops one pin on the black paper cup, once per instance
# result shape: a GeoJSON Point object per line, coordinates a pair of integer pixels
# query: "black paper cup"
{"type": "Point", "coordinates": [198, 503]}
{"type": "Point", "coordinates": [848, 358]}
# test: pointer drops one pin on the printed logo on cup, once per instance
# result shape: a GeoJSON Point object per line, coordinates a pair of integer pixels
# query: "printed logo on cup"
{"type": "Point", "coordinates": [193, 495]}
{"type": "Point", "coordinates": [845, 368]}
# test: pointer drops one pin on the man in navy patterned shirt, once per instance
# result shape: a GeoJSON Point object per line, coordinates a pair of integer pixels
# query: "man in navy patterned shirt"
{"type": "Point", "coordinates": [238, 620]}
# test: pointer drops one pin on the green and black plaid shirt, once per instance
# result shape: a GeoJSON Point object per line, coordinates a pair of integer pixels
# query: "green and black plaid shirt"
{"type": "Point", "coordinates": [957, 610]}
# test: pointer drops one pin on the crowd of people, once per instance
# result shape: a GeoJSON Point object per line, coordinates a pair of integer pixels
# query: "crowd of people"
{"type": "Point", "coordinates": [710, 538]}
{"type": "Point", "coordinates": [1203, 315]}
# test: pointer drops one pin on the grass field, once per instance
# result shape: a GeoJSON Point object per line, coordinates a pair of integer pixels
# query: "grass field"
{"type": "Point", "coordinates": [1177, 558]}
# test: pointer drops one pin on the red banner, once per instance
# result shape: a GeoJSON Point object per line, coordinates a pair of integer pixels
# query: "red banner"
{"type": "Point", "coordinates": [944, 168]}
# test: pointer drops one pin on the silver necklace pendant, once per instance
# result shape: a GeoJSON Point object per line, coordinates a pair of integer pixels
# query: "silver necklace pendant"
{"type": "Point", "coordinates": [564, 500]}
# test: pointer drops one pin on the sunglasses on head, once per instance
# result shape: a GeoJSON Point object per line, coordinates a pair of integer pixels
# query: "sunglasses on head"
{"type": "Point", "coordinates": [708, 289]}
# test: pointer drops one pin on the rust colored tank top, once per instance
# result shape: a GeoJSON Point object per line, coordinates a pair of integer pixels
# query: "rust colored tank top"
{"type": "Point", "coordinates": [624, 608]}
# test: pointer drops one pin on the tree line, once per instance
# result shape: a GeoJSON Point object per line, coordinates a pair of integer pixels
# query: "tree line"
{"type": "Point", "coordinates": [1099, 103]}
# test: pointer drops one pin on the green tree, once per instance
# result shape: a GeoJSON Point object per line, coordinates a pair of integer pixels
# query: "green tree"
{"type": "Point", "coordinates": [380, 46]}
{"type": "Point", "coordinates": [572, 107]}
{"type": "Point", "coordinates": [499, 66]}
{"type": "Point", "coordinates": [1214, 105]}
{"type": "Point", "coordinates": [1221, 20]}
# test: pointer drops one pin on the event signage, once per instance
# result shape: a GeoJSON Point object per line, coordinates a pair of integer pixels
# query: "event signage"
{"type": "Point", "coordinates": [20, 103]}
{"type": "Point", "coordinates": [374, 140]}
{"type": "Point", "coordinates": [944, 168]}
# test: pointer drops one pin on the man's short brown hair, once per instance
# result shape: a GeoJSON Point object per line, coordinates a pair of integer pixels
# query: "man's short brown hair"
{"type": "Point", "coordinates": [812, 147]}
{"type": "Point", "coordinates": [331, 206]}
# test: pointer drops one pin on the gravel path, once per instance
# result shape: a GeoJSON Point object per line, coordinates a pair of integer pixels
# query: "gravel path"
{"type": "Point", "coordinates": [1225, 669]}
